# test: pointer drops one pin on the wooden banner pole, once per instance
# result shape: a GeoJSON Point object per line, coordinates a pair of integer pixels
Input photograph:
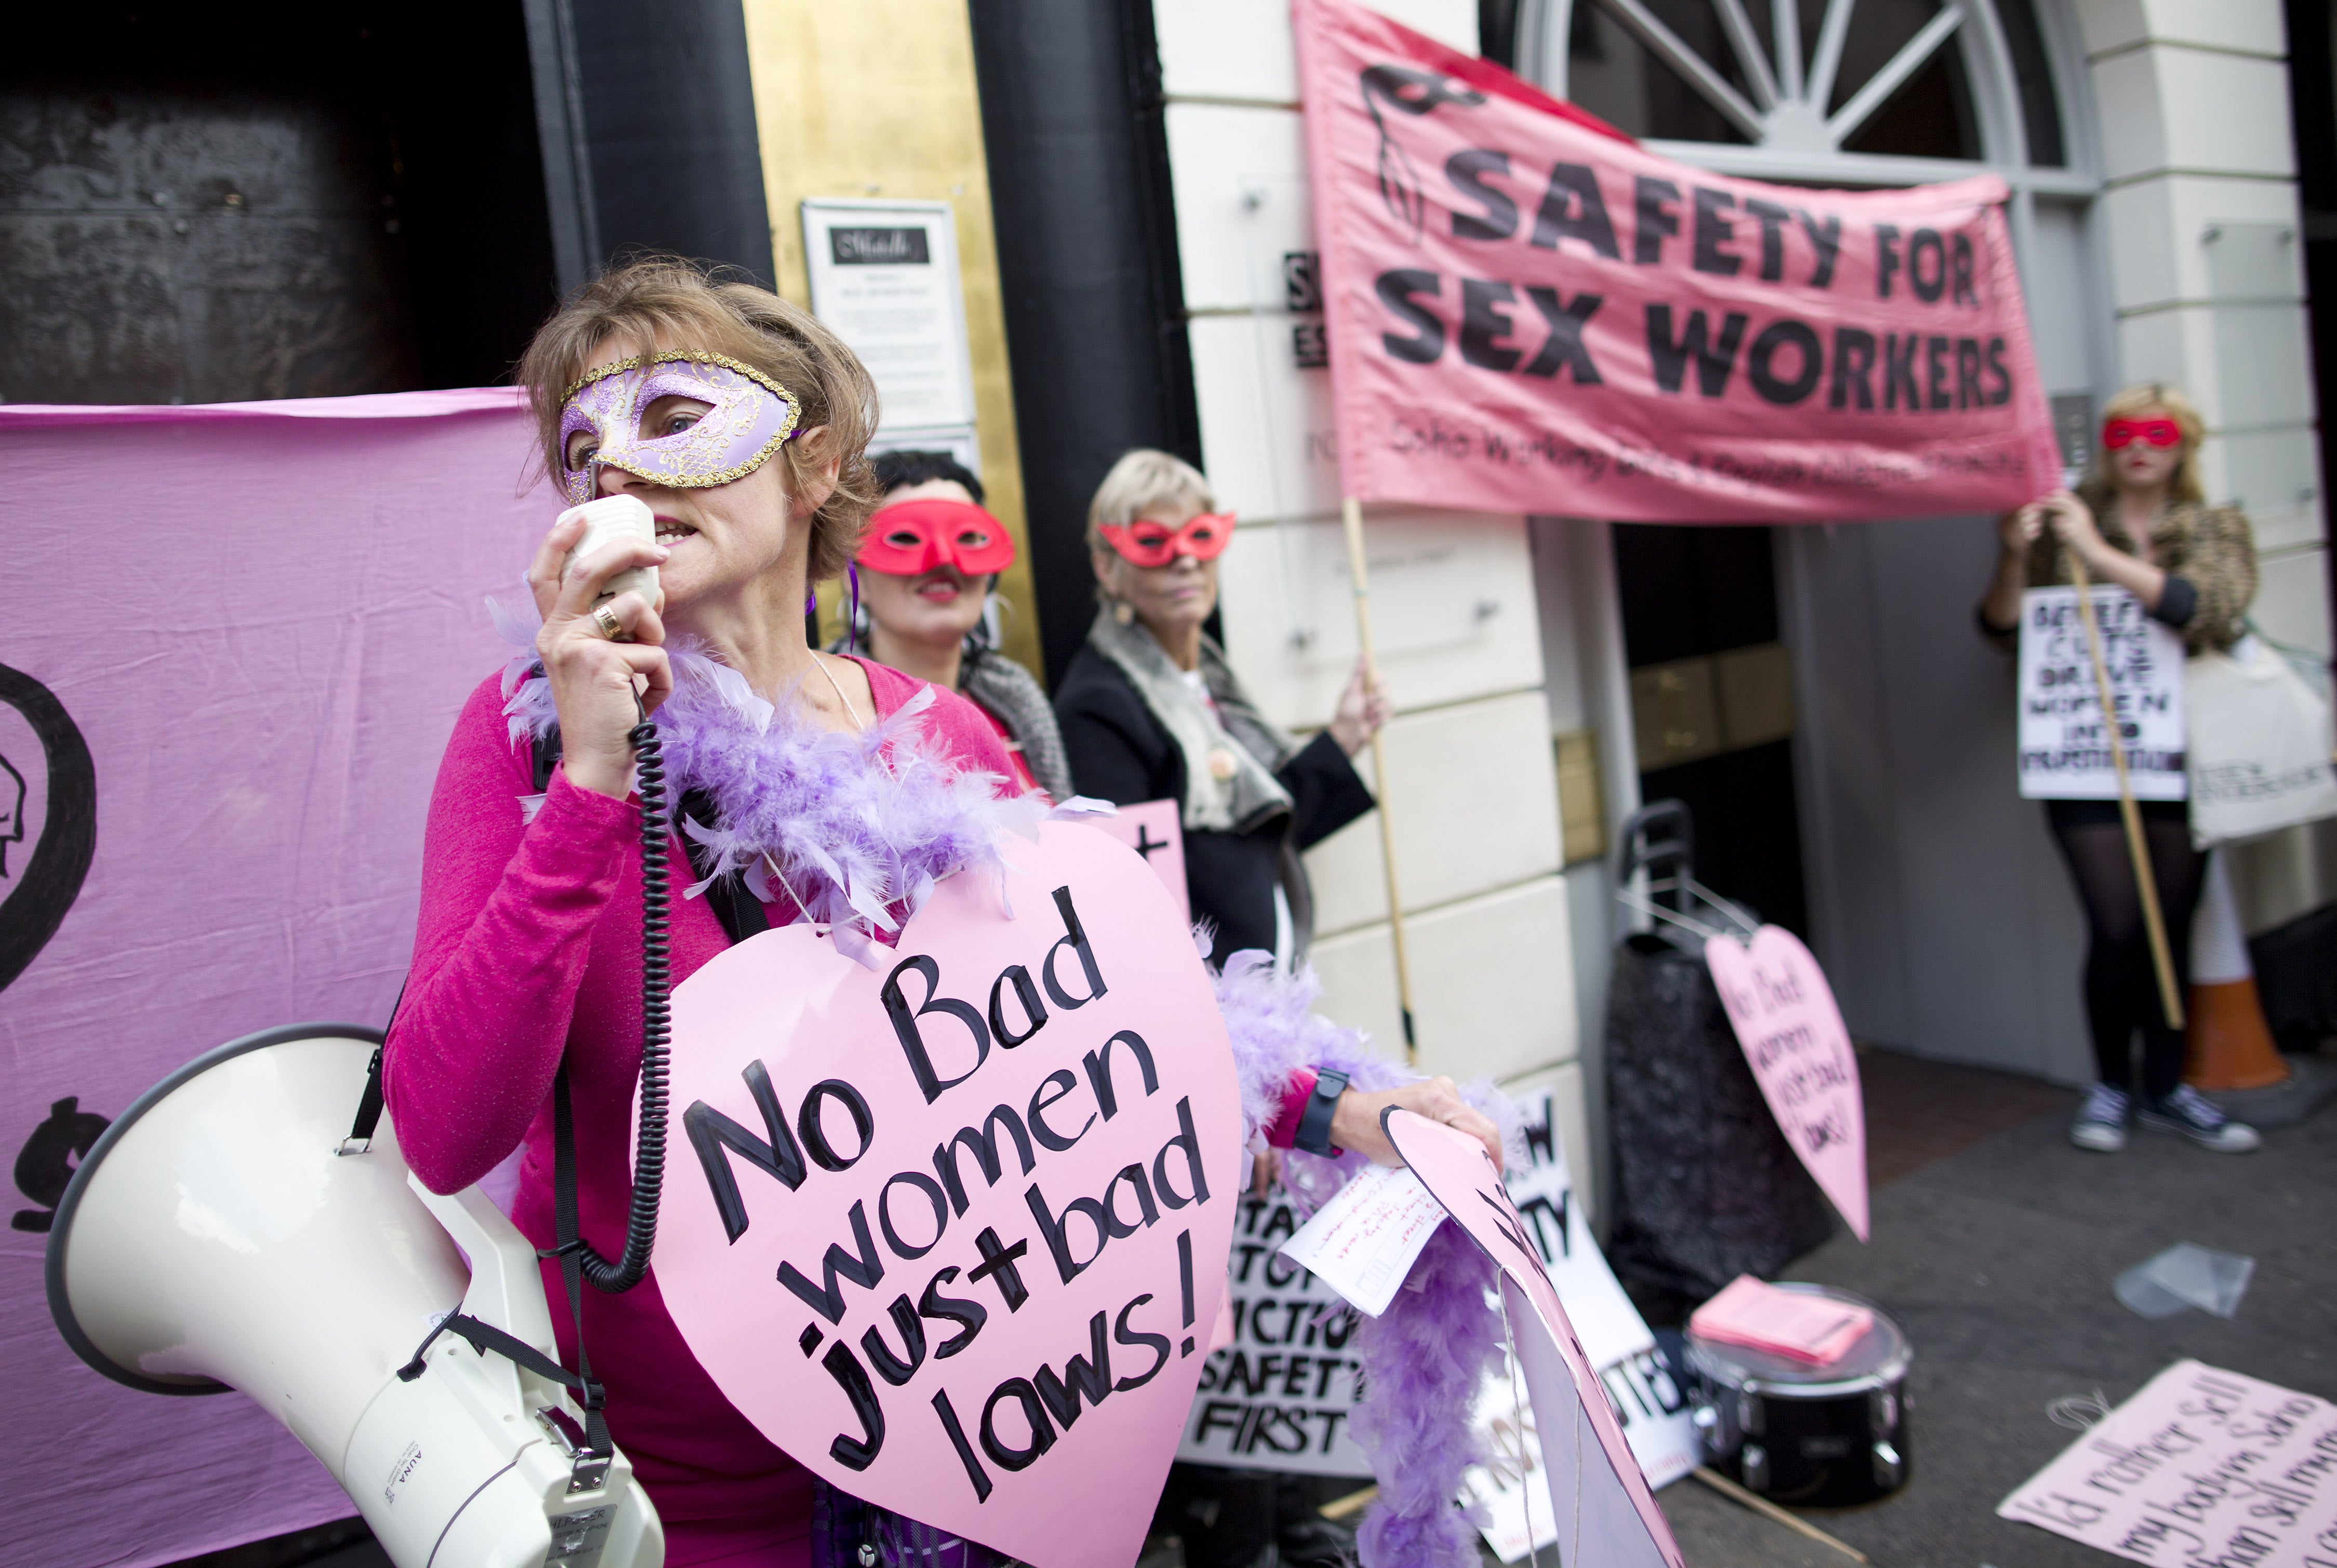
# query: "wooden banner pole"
{"type": "Point", "coordinates": [2162, 957]}
{"type": "Point", "coordinates": [1351, 512]}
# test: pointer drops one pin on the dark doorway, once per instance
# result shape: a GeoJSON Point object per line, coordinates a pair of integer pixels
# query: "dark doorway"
{"type": "Point", "coordinates": [207, 204]}
{"type": "Point", "coordinates": [1711, 694]}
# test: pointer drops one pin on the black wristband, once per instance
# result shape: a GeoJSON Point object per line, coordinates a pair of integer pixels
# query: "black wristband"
{"type": "Point", "coordinates": [1314, 1136]}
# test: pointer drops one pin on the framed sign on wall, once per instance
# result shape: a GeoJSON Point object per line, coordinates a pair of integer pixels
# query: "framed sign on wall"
{"type": "Point", "coordinates": [885, 275]}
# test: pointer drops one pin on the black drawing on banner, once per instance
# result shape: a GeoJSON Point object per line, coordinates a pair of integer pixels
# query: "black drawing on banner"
{"type": "Point", "coordinates": [1411, 93]}
{"type": "Point", "coordinates": [46, 1164]}
{"type": "Point", "coordinates": [12, 811]}
{"type": "Point", "coordinates": [34, 896]}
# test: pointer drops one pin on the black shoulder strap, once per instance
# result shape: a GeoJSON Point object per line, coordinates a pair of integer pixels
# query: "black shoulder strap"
{"type": "Point", "coordinates": [739, 910]}
{"type": "Point", "coordinates": [740, 913]}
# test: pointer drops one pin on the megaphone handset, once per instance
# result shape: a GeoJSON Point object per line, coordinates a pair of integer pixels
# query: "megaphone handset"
{"type": "Point", "coordinates": [608, 520]}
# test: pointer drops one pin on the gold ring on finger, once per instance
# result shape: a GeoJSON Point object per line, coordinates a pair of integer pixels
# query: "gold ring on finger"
{"type": "Point", "coordinates": [606, 619]}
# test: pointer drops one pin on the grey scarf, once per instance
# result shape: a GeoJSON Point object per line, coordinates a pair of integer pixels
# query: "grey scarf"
{"type": "Point", "coordinates": [1006, 691]}
{"type": "Point", "coordinates": [1230, 755]}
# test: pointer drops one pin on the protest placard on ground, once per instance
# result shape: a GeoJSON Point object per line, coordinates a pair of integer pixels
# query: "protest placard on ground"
{"type": "Point", "coordinates": [2202, 1466]}
{"type": "Point", "coordinates": [1279, 1395]}
{"type": "Point", "coordinates": [2064, 751]}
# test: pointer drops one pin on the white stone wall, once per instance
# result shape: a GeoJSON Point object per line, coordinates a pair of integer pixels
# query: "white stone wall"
{"type": "Point", "coordinates": [2199, 190]}
{"type": "Point", "coordinates": [2205, 246]}
{"type": "Point", "coordinates": [1472, 787]}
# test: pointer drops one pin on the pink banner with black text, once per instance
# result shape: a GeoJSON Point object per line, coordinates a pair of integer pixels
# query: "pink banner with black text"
{"type": "Point", "coordinates": [237, 642]}
{"type": "Point", "coordinates": [1530, 312]}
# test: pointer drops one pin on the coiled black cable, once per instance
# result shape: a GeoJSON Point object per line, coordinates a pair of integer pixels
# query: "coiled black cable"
{"type": "Point", "coordinates": [657, 984]}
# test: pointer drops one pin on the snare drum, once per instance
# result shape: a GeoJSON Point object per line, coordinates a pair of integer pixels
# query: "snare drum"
{"type": "Point", "coordinates": [1827, 1436]}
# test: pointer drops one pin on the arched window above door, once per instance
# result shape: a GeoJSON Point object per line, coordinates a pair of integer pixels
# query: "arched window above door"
{"type": "Point", "coordinates": [1839, 91]}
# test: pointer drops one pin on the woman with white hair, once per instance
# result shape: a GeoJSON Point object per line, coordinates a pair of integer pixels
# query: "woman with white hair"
{"type": "Point", "coordinates": [1150, 710]}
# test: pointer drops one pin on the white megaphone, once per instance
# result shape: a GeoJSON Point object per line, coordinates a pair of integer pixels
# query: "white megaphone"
{"type": "Point", "coordinates": [219, 1236]}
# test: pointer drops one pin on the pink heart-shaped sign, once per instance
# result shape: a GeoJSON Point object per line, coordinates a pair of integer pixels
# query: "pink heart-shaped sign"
{"type": "Point", "coordinates": [1592, 1482]}
{"type": "Point", "coordinates": [951, 1231]}
{"type": "Point", "coordinates": [1794, 1038]}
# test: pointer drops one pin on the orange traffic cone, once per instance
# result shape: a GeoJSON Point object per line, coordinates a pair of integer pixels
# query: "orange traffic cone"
{"type": "Point", "coordinates": [2227, 1046]}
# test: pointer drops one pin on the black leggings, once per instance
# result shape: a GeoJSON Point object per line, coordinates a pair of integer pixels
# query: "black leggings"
{"type": "Point", "coordinates": [2121, 985]}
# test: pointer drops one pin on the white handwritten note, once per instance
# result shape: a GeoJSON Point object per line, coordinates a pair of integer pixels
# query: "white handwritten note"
{"type": "Point", "coordinates": [2202, 1466]}
{"type": "Point", "coordinates": [1362, 1243]}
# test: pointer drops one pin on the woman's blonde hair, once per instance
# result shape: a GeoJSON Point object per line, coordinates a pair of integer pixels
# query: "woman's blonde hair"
{"type": "Point", "coordinates": [677, 304]}
{"type": "Point", "coordinates": [2132, 402]}
{"type": "Point", "coordinates": [1141, 481]}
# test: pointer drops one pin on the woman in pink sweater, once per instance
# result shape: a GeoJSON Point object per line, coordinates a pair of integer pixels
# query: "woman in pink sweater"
{"type": "Point", "coordinates": [657, 383]}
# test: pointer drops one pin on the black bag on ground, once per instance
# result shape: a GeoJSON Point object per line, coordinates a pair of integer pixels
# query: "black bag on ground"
{"type": "Point", "coordinates": [2296, 977]}
{"type": "Point", "coordinates": [1706, 1187]}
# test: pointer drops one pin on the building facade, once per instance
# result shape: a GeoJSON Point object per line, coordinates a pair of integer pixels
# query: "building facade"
{"type": "Point", "coordinates": [203, 214]}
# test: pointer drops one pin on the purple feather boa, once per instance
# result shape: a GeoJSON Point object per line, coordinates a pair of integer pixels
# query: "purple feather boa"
{"type": "Point", "coordinates": [854, 830]}
{"type": "Point", "coordinates": [1429, 1354]}
{"type": "Point", "coordinates": [861, 827]}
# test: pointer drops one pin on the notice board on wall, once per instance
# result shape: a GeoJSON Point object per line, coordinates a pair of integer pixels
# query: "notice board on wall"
{"type": "Point", "coordinates": [884, 274]}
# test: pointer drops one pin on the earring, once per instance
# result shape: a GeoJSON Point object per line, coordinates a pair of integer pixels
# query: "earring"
{"type": "Point", "coordinates": [1123, 612]}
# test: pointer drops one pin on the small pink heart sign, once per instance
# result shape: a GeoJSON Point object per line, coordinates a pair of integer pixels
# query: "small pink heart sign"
{"type": "Point", "coordinates": [1794, 1039]}
{"type": "Point", "coordinates": [952, 1230]}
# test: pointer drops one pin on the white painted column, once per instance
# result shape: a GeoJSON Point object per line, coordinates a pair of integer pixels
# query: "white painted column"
{"type": "Point", "coordinates": [2206, 271]}
{"type": "Point", "coordinates": [1472, 783]}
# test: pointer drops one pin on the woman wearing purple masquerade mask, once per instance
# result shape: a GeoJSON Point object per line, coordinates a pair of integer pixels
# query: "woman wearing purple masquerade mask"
{"type": "Point", "coordinates": [740, 422]}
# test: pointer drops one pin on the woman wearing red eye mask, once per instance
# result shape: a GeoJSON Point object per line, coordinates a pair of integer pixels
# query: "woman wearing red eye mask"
{"type": "Point", "coordinates": [928, 562]}
{"type": "Point", "coordinates": [2141, 521]}
{"type": "Point", "coordinates": [1150, 710]}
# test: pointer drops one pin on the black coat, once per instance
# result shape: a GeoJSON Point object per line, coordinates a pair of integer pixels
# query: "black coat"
{"type": "Point", "coordinates": [1118, 752]}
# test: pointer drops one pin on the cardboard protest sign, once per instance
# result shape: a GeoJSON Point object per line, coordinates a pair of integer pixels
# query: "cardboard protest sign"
{"type": "Point", "coordinates": [1155, 830]}
{"type": "Point", "coordinates": [1529, 312]}
{"type": "Point", "coordinates": [951, 1231]}
{"type": "Point", "coordinates": [1599, 1500]}
{"type": "Point", "coordinates": [1278, 1396]}
{"type": "Point", "coordinates": [2064, 751]}
{"type": "Point", "coordinates": [2201, 1467]}
{"type": "Point", "coordinates": [1799, 1049]}
{"type": "Point", "coordinates": [1642, 1389]}
{"type": "Point", "coordinates": [1646, 1392]}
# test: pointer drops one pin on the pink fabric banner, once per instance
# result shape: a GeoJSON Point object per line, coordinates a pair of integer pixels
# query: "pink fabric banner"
{"type": "Point", "coordinates": [237, 641]}
{"type": "Point", "coordinates": [1530, 312]}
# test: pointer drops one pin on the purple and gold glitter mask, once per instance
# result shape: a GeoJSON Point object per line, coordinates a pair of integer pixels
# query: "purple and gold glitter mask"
{"type": "Point", "coordinates": [751, 417]}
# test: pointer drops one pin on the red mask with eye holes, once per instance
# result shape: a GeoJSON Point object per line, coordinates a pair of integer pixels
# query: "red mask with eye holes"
{"type": "Point", "coordinates": [914, 537]}
{"type": "Point", "coordinates": [1147, 543]}
{"type": "Point", "coordinates": [2118, 434]}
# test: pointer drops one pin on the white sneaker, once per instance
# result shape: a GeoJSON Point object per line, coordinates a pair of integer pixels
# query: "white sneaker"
{"type": "Point", "coordinates": [2199, 1119]}
{"type": "Point", "coordinates": [2101, 1120]}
